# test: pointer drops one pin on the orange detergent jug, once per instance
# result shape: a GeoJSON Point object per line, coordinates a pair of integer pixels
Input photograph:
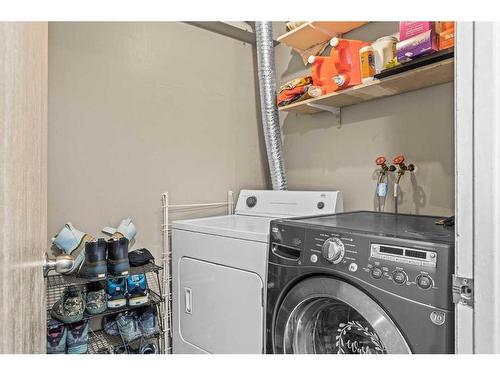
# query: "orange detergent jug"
{"type": "Point", "coordinates": [339, 70]}
{"type": "Point", "coordinates": [345, 56]}
{"type": "Point", "coordinates": [322, 72]}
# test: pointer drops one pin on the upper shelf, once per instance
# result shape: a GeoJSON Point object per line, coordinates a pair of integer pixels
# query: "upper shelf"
{"type": "Point", "coordinates": [415, 79]}
{"type": "Point", "coordinates": [315, 32]}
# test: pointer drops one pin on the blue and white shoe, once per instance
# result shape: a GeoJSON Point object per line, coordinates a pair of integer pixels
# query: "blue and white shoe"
{"type": "Point", "coordinates": [137, 290]}
{"type": "Point", "coordinates": [128, 325]}
{"type": "Point", "coordinates": [56, 337]}
{"type": "Point", "coordinates": [148, 321]}
{"type": "Point", "coordinates": [109, 325]}
{"type": "Point", "coordinates": [78, 337]}
{"type": "Point", "coordinates": [116, 292]}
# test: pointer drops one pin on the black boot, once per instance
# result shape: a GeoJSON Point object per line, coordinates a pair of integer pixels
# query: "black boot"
{"type": "Point", "coordinates": [94, 264]}
{"type": "Point", "coordinates": [118, 256]}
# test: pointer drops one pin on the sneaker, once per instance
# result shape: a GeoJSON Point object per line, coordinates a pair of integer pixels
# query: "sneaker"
{"type": "Point", "coordinates": [118, 256]}
{"type": "Point", "coordinates": [72, 241]}
{"type": "Point", "coordinates": [116, 292]}
{"type": "Point", "coordinates": [148, 348]}
{"type": "Point", "coordinates": [128, 325]}
{"type": "Point", "coordinates": [126, 229]}
{"type": "Point", "coordinates": [148, 321]}
{"type": "Point", "coordinates": [109, 325]}
{"type": "Point", "coordinates": [78, 337]}
{"type": "Point", "coordinates": [96, 298]}
{"type": "Point", "coordinates": [94, 260]}
{"type": "Point", "coordinates": [56, 337]}
{"type": "Point", "coordinates": [137, 290]}
{"type": "Point", "coordinates": [70, 307]}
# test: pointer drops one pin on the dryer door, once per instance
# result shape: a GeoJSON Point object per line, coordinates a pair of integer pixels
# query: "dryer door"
{"type": "Point", "coordinates": [220, 309]}
{"type": "Point", "coordinates": [322, 315]}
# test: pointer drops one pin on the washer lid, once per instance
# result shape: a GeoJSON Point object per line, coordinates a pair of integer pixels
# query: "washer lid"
{"type": "Point", "coordinates": [252, 228]}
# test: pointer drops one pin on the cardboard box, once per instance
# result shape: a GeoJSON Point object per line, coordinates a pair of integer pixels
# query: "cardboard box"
{"type": "Point", "coordinates": [442, 26]}
{"type": "Point", "coordinates": [410, 29]}
{"type": "Point", "coordinates": [419, 45]}
{"type": "Point", "coordinates": [446, 39]}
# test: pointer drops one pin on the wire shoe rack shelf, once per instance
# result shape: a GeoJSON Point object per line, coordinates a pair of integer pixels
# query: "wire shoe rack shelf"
{"type": "Point", "coordinates": [100, 341]}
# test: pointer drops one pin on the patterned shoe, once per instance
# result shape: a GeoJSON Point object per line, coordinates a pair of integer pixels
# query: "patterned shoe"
{"type": "Point", "coordinates": [116, 292]}
{"type": "Point", "coordinates": [70, 307]}
{"type": "Point", "coordinates": [78, 337]}
{"type": "Point", "coordinates": [137, 290]}
{"type": "Point", "coordinates": [56, 337]}
{"type": "Point", "coordinates": [96, 298]}
{"type": "Point", "coordinates": [148, 321]}
{"type": "Point", "coordinates": [128, 325]}
{"type": "Point", "coordinates": [109, 325]}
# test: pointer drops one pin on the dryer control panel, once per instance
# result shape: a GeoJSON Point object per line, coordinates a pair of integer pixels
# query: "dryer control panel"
{"type": "Point", "coordinates": [417, 270]}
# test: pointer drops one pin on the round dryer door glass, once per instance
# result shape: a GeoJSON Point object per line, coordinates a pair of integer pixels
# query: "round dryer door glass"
{"type": "Point", "coordinates": [328, 316]}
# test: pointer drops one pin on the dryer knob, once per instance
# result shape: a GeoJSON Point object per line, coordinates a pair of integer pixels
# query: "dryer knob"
{"type": "Point", "coordinates": [333, 250]}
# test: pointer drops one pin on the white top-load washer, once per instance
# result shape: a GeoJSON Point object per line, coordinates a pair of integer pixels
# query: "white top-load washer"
{"type": "Point", "coordinates": [219, 270]}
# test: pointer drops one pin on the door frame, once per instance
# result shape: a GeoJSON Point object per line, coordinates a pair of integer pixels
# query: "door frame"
{"type": "Point", "coordinates": [477, 183]}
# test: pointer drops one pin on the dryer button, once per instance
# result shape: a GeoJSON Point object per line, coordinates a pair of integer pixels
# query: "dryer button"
{"type": "Point", "coordinates": [353, 267]}
{"type": "Point", "coordinates": [314, 258]}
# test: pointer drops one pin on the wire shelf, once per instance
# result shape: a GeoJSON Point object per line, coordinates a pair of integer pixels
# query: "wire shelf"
{"type": "Point", "coordinates": [154, 299]}
{"type": "Point", "coordinates": [102, 343]}
{"type": "Point", "coordinates": [57, 280]}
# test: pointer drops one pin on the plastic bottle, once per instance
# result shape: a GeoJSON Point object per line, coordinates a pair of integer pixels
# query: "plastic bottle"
{"type": "Point", "coordinates": [367, 63]}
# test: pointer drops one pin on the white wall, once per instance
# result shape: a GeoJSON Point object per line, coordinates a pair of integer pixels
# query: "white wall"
{"type": "Point", "coordinates": [136, 109]}
{"type": "Point", "coordinates": [419, 124]}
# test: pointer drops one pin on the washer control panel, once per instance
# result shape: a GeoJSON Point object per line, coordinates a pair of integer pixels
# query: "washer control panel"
{"type": "Point", "coordinates": [404, 255]}
{"type": "Point", "coordinates": [415, 270]}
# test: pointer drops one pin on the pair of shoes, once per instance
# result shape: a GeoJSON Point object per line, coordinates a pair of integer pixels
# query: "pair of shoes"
{"type": "Point", "coordinates": [102, 257]}
{"type": "Point", "coordinates": [89, 255]}
{"type": "Point", "coordinates": [96, 302]}
{"type": "Point", "coordinates": [145, 323]}
{"type": "Point", "coordinates": [70, 307]}
{"type": "Point", "coordinates": [73, 302]}
{"type": "Point", "coordinates": [71, 338]}
{"type": "Point", "coordinates": [133, 288]}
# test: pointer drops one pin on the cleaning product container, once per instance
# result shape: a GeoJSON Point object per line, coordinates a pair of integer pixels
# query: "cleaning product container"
{"type": "Point", "coordinates": [345, 54]}
{"type": "Point", "coordinates": [384, 50]}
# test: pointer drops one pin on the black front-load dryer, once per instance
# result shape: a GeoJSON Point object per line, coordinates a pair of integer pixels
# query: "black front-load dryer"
{"type": "Point", "coordinates": [360, 282]}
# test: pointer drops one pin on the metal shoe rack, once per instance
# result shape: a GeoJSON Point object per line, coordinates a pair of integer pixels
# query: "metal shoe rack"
{"type": "Point", "coordinates": [100, 341]}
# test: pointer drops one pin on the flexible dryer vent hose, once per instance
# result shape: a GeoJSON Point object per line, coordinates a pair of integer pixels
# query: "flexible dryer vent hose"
{"type": "Point", "coordinates": [269, 109]}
